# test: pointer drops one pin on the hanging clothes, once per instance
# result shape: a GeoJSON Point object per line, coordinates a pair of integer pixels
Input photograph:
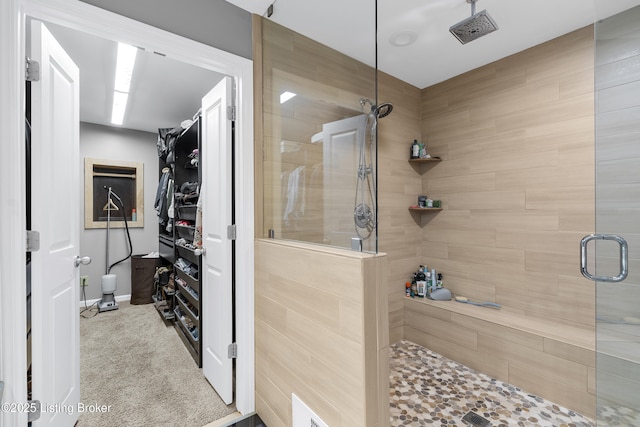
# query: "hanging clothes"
{"type": "Point", "coordinates": [197, 237]}
{"type": "Point", "coordinates": [161, 204]}
{"type": "Point", "coordinates": [169, 204]}
{"type": "Point", "coordinates": [296, 190]}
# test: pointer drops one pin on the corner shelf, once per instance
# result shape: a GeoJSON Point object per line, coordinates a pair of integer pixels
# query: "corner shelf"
{"type": "Point", "coordinates": [425, 210]}
{"type": "Point", "coordinates": [427, 160]}
{"type": "Point", "coordinates": [422, 161]}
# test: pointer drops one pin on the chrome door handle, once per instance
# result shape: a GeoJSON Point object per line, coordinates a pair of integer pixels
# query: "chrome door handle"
{"type": "Point", "coordinates": [84, 261]}
{"type": "Point", "coordinates": [624, 258]}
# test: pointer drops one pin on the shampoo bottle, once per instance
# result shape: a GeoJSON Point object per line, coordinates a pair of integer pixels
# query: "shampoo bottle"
{"type": "Point", "coordinates": [415, 149]}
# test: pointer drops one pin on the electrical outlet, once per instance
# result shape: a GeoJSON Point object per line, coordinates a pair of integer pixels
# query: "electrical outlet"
{"type": "Point", "coordinates": [84, 281]}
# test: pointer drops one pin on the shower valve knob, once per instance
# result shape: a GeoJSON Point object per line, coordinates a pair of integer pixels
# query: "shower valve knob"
{"type": "Point", "coordinates": [84, 260]}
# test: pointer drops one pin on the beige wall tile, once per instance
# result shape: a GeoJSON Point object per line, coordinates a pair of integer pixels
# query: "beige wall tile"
{"type": "Point", "coordinates": [327, 344]}
{"type": "Point", "coordinates": [554, 389]}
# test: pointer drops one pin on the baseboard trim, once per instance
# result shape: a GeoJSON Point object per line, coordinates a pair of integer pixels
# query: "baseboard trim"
{"type": "Point", "coordinates": [90, 302]}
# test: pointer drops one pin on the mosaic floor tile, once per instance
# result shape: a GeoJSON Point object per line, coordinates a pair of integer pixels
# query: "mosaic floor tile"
{"type": "Point", "coordinates": [618, 416]}
{"type": "Point", "coordinates": [427, 389]}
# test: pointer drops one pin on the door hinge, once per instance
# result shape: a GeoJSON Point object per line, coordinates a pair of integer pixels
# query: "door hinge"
{"type": "Point", "coordinates": [231, 232]}
{"type": "Point", "coordinates": [32, 70]}
{"type": "Point", "coordinates": [33, 240]}
{"type": "Point", "coordinates": [232, 351]}
{"type": "Point", "coordinates": [34, 409]}
{"type": "Point", "coordinates": [231, 113]}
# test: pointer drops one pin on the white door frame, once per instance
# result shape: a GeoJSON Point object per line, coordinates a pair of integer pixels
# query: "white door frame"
{"type": "Point", "coordinates": [99, 22]}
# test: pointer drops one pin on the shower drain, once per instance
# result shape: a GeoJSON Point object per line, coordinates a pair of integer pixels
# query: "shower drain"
{"type": "Point", "coordinates": [474, 419]}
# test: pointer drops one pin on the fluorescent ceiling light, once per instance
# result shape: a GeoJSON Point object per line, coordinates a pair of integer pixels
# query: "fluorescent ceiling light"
{"type": "Point", "coordinates": [124, 66]}
{"type": "Point", "coordinates": [119, 107]}
{"type": "Point", "coordinates": [285, 96]}
{"type": "Point", "coordinates": [124, 71]}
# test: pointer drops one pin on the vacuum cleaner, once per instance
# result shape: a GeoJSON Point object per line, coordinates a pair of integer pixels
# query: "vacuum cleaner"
{"type": "Point", "coordinates": [109, 282]}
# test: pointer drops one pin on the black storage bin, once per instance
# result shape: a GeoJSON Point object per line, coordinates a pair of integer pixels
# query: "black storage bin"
{"type": "Point", "coordinates": [142, 281]}
{"type": "Point", "coordinates": [186, 232]}
{"type": "Point", "coordinates": [187, 212]}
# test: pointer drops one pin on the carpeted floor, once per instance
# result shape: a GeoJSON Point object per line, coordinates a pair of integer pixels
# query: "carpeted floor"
{"type": "Point", "coordinates": [134, 363]}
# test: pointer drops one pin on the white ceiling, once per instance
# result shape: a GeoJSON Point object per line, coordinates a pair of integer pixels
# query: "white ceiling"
{"type": "Point", "coordinates": [163, 92]}
{"type": "Point", "coordinates": [348, 26]}
{"type": "Point", "coordinates": [166, 92]}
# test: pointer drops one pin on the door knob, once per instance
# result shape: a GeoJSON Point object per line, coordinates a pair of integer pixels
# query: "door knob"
{"type": "Point", "coordinates": [84, 260]}
{"type": "Point", "coordinates": [199, 251]}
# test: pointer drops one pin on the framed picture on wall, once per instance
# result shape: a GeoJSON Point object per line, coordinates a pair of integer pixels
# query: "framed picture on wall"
{"type": "Point", "coordinates": [125, 180]}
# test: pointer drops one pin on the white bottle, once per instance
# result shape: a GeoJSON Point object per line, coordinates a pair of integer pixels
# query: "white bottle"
{"type": "Point", "coordinates": [434, 280]}
{"type": "Point", "coordinates": [422, 288]}
{"type": "Point", "coordinates": [428, 285]}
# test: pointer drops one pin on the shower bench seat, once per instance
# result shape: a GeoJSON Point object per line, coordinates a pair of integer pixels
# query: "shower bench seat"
{"type": "Point", "coordinates": [552, 360]}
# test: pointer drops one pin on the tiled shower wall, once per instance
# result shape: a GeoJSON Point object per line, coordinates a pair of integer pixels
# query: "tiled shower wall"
{"type": "Point", "coordinates": [516, 181]}
{"type": "Point", "coordinates": [517, 186]}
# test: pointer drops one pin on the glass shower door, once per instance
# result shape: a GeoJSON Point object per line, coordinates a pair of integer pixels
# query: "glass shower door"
{"type": "Point", "coordinates": [617, 160]}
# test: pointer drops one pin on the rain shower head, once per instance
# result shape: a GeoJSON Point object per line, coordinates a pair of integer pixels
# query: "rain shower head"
{"type": "Point", "coordinates": [477, 25]}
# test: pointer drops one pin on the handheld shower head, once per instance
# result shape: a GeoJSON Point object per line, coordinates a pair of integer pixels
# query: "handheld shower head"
{"type": "Point", "coordinates": [383, 110]}
{"type": "Point", "coordinates": [380, 111]}
{"type": "Point", "coordinates": [477, 25]}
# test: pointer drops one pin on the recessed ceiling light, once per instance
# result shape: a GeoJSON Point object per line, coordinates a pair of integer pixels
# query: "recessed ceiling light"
{"type": "Point", "coordinates": [403, 38]}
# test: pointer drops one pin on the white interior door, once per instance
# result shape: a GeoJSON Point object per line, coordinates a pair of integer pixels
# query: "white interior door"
{"type": "Point", "coordinates": [217, 277]}
{"type": "Point", "coordinates": [55, 279]}
{"type": "Point", "coordinates": [343, 141]}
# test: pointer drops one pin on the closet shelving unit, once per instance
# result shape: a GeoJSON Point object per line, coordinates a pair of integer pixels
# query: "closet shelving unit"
{"type": "Point", "coordinates": [188, 285]}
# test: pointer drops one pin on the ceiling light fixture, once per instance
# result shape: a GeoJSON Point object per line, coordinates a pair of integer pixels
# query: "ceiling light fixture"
{"type": "Point", "coordinates": [124, 71]}
{"type": "Point", "coordinates": [119, 107]}
{"type": "Point", "coordinates": [403, 38]}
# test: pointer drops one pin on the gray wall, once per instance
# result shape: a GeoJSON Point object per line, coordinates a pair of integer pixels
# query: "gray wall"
{"type": "Point", "coordinates": [212, 22]}
{"type": "Point", "coordinates": [112, 143]}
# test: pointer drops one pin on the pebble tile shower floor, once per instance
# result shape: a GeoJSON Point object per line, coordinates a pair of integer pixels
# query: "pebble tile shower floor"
{"type": "Point", "coordinates": [428, 389]}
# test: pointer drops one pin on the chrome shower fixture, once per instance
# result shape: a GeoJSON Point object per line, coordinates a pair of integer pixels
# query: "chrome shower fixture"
{"type": "Point", "coordinates": [380, 111]}
{"type": "Point", "coordinates": [477, 25]}
{"type": "Point", "coordinates": [384, 109]}
{"type": "Point", "coordinates": [365, 209]}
